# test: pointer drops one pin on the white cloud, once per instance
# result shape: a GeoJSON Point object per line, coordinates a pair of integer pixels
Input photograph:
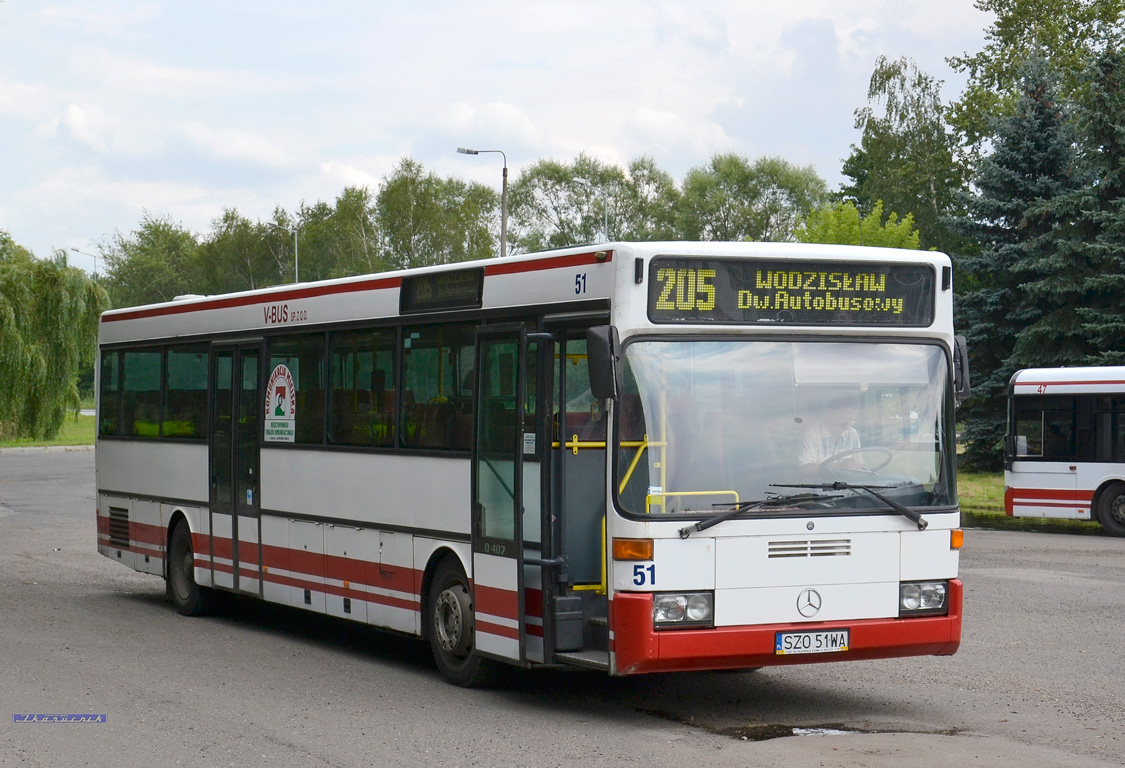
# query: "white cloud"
{"type": "Point", "coordinates": [181, 110]}
{"type": "Point", "coordinates": [242, 146]}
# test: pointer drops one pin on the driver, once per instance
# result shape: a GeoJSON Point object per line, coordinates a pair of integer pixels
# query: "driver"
{"type": "Point", "coordinates": [832, 435]}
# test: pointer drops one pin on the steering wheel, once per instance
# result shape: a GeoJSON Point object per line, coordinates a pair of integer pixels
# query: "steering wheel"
{"type": "Point", "coordinates": [888, 455]}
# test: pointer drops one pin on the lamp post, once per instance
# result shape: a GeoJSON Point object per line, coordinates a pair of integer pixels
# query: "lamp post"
{"type": "Point", "coordinates": [296, 257]}
{"type": "Point", "coordinates": [92, 256]}
{"type": "Point", "coordinates": [604, 195]}
{"type": "Point", "coordinates": [503, 195]}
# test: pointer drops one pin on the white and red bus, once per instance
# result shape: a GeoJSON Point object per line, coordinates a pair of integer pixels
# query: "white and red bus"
{"type": "Point", "coordinates": [1064, 455]}
{"type": "Point", "coordinates": [592, 457]}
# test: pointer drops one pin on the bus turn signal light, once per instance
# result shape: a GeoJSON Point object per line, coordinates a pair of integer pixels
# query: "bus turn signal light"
{"type": "Point", "coordinates": [956, 538]}
{"type": "Point", "coordinates": [632, 549]}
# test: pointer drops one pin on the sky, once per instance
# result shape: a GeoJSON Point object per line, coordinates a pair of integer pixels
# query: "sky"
{"type": "Point", "coordinates": [114, 109]}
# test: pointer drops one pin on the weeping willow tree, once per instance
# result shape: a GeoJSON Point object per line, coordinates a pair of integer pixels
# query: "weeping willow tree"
{"type": "Point", "coordinates": [48, 330]}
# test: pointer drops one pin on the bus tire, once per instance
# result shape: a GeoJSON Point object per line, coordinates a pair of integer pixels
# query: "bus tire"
{"type": "Point", "coordinates": [189, 598]}
{"type": "Point", "coordinates": [449, 617]}
{"type": "Point", "coordinates": [1111, 510]}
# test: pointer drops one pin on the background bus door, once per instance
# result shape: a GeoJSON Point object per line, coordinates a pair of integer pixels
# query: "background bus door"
{"type": "Point", "coordinates": [236, 409]}
{"type": "Point", "coordinates": [497, 495]}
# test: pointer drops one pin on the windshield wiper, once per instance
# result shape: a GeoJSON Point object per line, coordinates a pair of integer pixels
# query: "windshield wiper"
{"type": "Point", "coordinates": [748, 506]}
{"type": "Point", "coordinates": [840, 485]}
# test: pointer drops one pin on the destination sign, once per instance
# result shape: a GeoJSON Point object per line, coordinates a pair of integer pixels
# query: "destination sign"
{"type": "Point", "coordinates": [462, 289]}
{"type": "Point", "coordinates": [757, 291]}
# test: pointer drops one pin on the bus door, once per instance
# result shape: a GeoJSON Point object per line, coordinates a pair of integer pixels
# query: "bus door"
{"type": "Point", "coordinates": [236, 407]}
{"type": "Point", "coordinates": [498, 491]}
{"type": "Point", "coordinates": [1043, 456]}
{"type": "Point", "coordinates": [578, 479]}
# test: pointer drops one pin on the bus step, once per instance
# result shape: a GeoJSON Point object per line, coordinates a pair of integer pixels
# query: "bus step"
{"type": "Point", "coordinates": [591, 659]}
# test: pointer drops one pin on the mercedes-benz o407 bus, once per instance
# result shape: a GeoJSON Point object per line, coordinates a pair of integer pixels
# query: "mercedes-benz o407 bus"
{"type": "Point", "coordinates": [631, 457]}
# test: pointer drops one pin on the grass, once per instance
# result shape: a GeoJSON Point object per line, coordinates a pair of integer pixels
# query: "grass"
{"type": "Point", "coordinates": [982, 506]}
{"type": "Point", "coordinates": [78, 431]}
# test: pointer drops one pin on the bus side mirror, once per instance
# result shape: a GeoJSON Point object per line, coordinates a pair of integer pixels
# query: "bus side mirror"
{"type": "Point", "coordinates": [603, 351]}
{"type": "Point", "coordinates": [960, 368]}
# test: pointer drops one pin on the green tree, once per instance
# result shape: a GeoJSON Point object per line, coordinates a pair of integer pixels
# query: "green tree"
{"type": "Point", "coordinates": [554, 205]}
{"type": "Point", "coordinates": [648, 203]}
{"type": "Point", "coordinates": [1066, 32]}
{"type": "Point", "coordinates": [1099, 208]}
{"type": "Point", "coordinates": [48, 330]}
{"type": "Point", "coordinates": [236, 256]}
{"type": "Point", "coordinates": [842, 224]}
{"type": "Point", "coordinates": [733, 199]}
{"type": "Point", "coordinates": [424, 219]}
{"type": "Point", "coordinates": [157, 262]}
{"type": "Point", "coordinates": [907, 157]}
{"type": "Point", "coordinates": [1031, 165]}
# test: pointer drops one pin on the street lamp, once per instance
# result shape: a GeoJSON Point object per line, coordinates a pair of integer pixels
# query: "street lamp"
{"type": "Point", "coordinates": [503, 195]}
{"type": "Point", "coordinates": [604, 195]}
{"type": "Point", "coordinates": [92, 256]}
{"type": "Point", "coordinates": [296, 257]}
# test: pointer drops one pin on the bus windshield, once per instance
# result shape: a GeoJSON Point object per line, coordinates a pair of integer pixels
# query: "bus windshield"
{"type": "Point", "coordinates": [707, 425]}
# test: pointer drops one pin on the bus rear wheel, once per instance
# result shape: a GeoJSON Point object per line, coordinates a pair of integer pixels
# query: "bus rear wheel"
{"type": "Point", "coordinates": [1111, 510]}
{"type": "Point", "coordinates": [451, 630]}
{"type": "Point", "coordinates": [189, 598]}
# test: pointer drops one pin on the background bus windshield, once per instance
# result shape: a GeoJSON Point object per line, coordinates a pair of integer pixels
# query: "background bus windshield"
{"type": "Point", "coordinates": [704, 424]}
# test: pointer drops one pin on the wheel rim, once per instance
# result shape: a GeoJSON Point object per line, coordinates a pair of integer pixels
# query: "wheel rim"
{"type": "Point", "coordinates": [450, 621]}
{"type": "Point", "coordinates": [1117, 509]}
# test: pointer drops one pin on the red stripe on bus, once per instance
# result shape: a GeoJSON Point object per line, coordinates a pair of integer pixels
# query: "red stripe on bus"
{"type": "Point", "coordinates": [1045, 497]}
{"type": "Point", "coordinates": [141, 533]}
{"type": "Point", "coordinates": [354, 592]}
{"type": "Point", "coordinates": [247, 301]}
{"type": "Point", "coordinates": [557, 262]}
{"type": "Point", "coordinates": [488, 628]}
{"type": "Point", "coordinates": [1092, 384]}
{"type": "Point", "coordinates": [496, 602]}
{"type": "Point", "coordinates": [147, 534]}
{"type": "Point", "coordinates": [533, 602]}
{"type": "Point", "coordinates": [148, 551]}
{"type": "Point", "coordinates": [221, 547]}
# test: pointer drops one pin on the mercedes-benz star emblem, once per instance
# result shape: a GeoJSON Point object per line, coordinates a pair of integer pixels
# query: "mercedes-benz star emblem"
{"type": "Point", "coordinates": [808, 603]}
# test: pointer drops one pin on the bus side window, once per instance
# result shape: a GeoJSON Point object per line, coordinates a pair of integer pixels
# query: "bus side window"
{"type": "Point", "coordinates": [304, 356]}
{"type": "Point", "coordinates": [141, 393]}
{"type": "Point", "coordinates": [108, 415]}
{"type": "Point", "coordinates": [434, 378]}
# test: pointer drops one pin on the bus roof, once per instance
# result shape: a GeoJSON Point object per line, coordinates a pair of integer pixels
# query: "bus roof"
{"type": "Point", "coordinates": [532, 280]}
{"type": "Point", "coordinates": [1061, 381]}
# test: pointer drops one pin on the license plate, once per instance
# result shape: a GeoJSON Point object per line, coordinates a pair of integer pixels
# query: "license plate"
{"type": "Point", "coordinates": [830, 641]}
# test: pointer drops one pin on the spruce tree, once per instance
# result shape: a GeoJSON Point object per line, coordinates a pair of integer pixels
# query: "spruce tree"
{"type": "Point", "coordinates": [1032, 163]}
{"type": "Point", "coordinates": [1102, 117]}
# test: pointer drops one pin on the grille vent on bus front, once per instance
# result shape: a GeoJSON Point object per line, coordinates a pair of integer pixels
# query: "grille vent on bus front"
{"type": "Point", "coordinates": [118, 527]}
{"type": "Point", "coordinates": [811, 548]}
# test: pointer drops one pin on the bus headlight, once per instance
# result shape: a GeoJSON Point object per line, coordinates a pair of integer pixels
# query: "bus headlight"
{"type": "Point", "coordinates": [683, 610]}
{"type": "Point", "coordinates": [922, 597]}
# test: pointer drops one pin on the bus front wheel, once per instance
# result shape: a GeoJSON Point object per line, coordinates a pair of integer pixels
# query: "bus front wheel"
{"type": "Point", "coordinates": [189, 598]}
{"type": "Point", "coordinates": [451, 629]}
{"type": "Point", "coordinates": [1111, 510]}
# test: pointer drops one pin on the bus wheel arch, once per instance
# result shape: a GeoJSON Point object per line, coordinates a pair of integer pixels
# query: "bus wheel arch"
{"type": "Point", "coordinates": [1110, 508]}
{"type": "Point", "coordinates": [448, 624]}
{"type": "Point", "coordinates": [189, 598]}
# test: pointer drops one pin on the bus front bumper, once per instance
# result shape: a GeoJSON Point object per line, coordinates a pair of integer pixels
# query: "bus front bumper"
{"type": "Point", "coordinates": [638, 648]}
